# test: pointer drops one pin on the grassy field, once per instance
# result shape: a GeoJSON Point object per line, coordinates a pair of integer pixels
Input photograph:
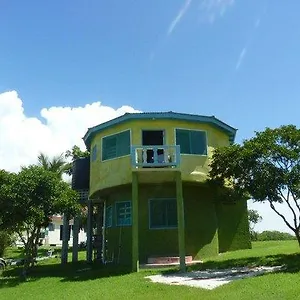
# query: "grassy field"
{"type": "Point", "coordinates": [49, 280]}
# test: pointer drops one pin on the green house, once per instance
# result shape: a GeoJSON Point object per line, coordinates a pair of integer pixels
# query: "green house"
{"type": "Point", "coordinates": [148, 193]}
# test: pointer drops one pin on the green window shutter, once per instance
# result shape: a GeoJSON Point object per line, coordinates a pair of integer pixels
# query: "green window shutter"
{"type": "Point", "coordinates": [109, 147]}
{"type": "Point", "coordinates": [198, 142]}
{"type": "Point", "coordinates": [183, 139]}
{"type": "Point", "coordinates": [123, 143]}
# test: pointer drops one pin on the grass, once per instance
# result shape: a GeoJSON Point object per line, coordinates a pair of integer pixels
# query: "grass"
{"type": "Point", "coordinates": [50, 280]}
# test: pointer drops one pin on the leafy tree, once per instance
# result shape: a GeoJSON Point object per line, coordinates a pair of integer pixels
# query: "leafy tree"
{"type": "Point", "coordinates": [253, 218]}
{"type": "Point", "coordinates": [264, 168]}
{"type": "Point", "coordinates": [35, 195]}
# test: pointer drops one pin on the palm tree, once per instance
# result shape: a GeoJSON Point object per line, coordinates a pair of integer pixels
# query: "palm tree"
{"type": "Point", "coordinates": [57, 164]}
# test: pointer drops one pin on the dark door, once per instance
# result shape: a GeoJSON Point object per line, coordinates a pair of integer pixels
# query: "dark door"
{"type": "Point", "coordinates": [153, 138]}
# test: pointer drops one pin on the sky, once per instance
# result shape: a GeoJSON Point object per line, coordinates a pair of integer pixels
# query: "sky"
{"type": "Point", "coordinates": [68, 65]}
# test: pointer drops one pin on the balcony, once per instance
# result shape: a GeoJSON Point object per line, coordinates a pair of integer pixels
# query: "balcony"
{"type": "Point", "coordinates": [155, 156]}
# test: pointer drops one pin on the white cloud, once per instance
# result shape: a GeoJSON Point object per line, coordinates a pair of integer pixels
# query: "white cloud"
{"type": "Point", "coordinates": [55, 131]}
{"type": "Point", "coordinates": [179, 16]}
{"type": "Point", "coordinates": [212, 9]}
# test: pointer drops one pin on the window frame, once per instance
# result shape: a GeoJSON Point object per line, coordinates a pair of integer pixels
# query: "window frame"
{"type": "Point", "coordinates": [112, 216]}
{"type": "Point", "coordinates": [110, 135]}
{"type": "Point", "coordinates": [149, 214]}
{"type": "Point", "coordinates": [197, 130]}
{"type": "Point", "coordinates": [116, 213]}
{"type": "Point", "coordinates": [94, 153]}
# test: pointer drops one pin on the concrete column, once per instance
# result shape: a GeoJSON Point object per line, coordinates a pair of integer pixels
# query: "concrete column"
{"type": "Point", "coordinates": [99, 231]}
{"type": "Point", "coordinates": [180, 220]}
{"type": "Point", "coordinates": [75, 239]}
{"type": "Point", "coordinates": [65, 240]}
{"type": "Point", "coordinates": [135, 223]}
{"type": "Point", "coordinates": [89, 239]}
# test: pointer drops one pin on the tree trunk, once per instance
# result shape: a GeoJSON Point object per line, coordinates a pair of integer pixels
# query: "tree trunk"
{"type": "Point", "coordinates": [298, 236]}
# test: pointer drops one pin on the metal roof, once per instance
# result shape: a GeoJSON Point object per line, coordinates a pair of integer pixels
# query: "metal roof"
{"type": "Point", "coordinates": [211, 120]}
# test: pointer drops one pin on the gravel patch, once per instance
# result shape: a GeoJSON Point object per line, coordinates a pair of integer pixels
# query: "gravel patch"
{"type": "Point", "coordinates": [210, 279]}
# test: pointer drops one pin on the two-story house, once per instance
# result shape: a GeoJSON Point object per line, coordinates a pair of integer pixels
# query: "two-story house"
{"type": "Point", "coordinates": [148, 175]}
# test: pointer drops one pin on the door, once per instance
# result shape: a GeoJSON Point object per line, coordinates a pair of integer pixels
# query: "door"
{"type": "Point", "coordinates": [153, 138]}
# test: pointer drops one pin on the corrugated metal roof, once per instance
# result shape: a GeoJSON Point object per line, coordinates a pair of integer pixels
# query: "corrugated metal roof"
{"type": "Point", "coordinates": [212, 120]}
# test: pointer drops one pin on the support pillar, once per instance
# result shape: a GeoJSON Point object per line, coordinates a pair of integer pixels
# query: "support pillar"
{"type": "Point", "coordinates": [180, 219]}
{"type": "Point", "coordinates": [135, 223]}
{"type": "Point", "coordinates": [65, 240]}
{"type": "Point", "coordinates": [99, 225]}
{"type": "Point", "coordinates": [75, 239]}
{"type": "Point", "coordinates": [89, 238]}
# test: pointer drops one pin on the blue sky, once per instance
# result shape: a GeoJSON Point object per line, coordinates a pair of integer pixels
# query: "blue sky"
{"type": "Point", "coordinates": [237, 60]}
{"type": "Point", "coordinates": [70, 53]}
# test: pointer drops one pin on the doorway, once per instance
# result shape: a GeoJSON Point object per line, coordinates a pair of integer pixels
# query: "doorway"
{"type": "Point", "coordinates": [153, 138]}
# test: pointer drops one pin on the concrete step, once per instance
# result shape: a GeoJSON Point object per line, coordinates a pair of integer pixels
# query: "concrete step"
{"type": "Point", "coordinates": [168, 260]}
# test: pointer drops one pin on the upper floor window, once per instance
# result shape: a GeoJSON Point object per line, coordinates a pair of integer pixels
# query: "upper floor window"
{"type": "Point", "coordinates": [116, 145]}
{"type": "Point", "coordinates": [191, 141]}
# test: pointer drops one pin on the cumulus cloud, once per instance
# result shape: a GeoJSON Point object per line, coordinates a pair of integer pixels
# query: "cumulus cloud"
{"type": "Point", "coordinates": [56, 130]}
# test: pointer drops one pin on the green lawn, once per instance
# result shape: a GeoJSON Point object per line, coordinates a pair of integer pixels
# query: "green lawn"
{"type": "Point", "coordinates": [49, 280]}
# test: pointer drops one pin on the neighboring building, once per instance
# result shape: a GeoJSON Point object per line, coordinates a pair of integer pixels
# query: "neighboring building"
{"type": "Point", "coordinates": [148, 187]}
{"type": "Point", "coordinates": [53, 233]}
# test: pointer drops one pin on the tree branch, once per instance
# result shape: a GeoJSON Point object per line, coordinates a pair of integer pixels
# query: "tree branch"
{"type": "Point", "coordinates": [282, 216]}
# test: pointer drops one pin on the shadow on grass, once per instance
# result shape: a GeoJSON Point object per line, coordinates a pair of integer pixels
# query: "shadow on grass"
{"type": "Point", "coordinates": [80, 271]}
{"type": "Point", "coordinates": [291, 262]}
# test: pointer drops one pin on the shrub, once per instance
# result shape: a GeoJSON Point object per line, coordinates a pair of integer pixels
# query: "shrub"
{"type": "Point", "coordinates": [268, 235]}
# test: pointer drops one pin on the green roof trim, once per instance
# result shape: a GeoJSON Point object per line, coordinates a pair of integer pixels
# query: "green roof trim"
{"type": "Point", "coordinates": [212, 120]}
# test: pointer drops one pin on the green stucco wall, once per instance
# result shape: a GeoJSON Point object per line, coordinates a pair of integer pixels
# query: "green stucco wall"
{"type": "Point", "coordinates": [233, 226]}
{"type": "Point", "coordinates": [210, 228]}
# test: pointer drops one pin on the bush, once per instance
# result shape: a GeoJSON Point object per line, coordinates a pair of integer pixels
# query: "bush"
{"type": "Point", "coordinates": [274, 236]}
{"type": "Point", "coordinates": [5, 241]}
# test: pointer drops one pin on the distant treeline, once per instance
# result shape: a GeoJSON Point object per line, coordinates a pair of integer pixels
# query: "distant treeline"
{"type": "Point", "coordinates": [268, 235]}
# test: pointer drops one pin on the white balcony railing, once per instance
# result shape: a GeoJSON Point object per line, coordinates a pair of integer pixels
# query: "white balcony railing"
{"type": "Point", "coordinates": [155, 156]}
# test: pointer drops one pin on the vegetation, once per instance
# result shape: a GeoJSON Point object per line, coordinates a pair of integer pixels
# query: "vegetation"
{"type": "Point", "coordinates": [81, 281]}
{"type": "Point", "coordinates": [6, 240]}
{"type": "Point", "coordinates": [274, 236]}
{"type": "Point", "coordinates": [253, 217]}
{"type": "Point", "coordinates": [264, 168]}
{"type": "Point", "coordinates": [29, 199]}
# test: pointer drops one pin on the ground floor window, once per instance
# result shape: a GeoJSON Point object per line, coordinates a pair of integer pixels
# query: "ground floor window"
{"type": "Point", "coordinates": [123, 213]}
{"type": "Point", "coordinates": [162, 213]}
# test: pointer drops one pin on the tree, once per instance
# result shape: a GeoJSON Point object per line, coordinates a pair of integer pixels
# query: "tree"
{"type": "Point", "coordinates": [264, 168]}
{"type": "Point", "coordinates": [35, 195]}
{"type": "Point", "coordinates": [57, 164]}
{"type": "Point", "coordinates": [253, 218]}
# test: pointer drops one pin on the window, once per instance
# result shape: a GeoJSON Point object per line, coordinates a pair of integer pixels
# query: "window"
{"type": "Point", "coordinates": [162, 213]}
{"type": "Point", "coordinates": [191, 141]}
{"type": "Point", "coordinates": [108, 216]}
{"type": "Point", "coordinates": [123, 213]}
{"type": "Point", "coordinates": [94, 153]}
{"type": "Point", "coordinates": [116, 145]}
{"type": "Point", "coordinates": [51, 227]}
